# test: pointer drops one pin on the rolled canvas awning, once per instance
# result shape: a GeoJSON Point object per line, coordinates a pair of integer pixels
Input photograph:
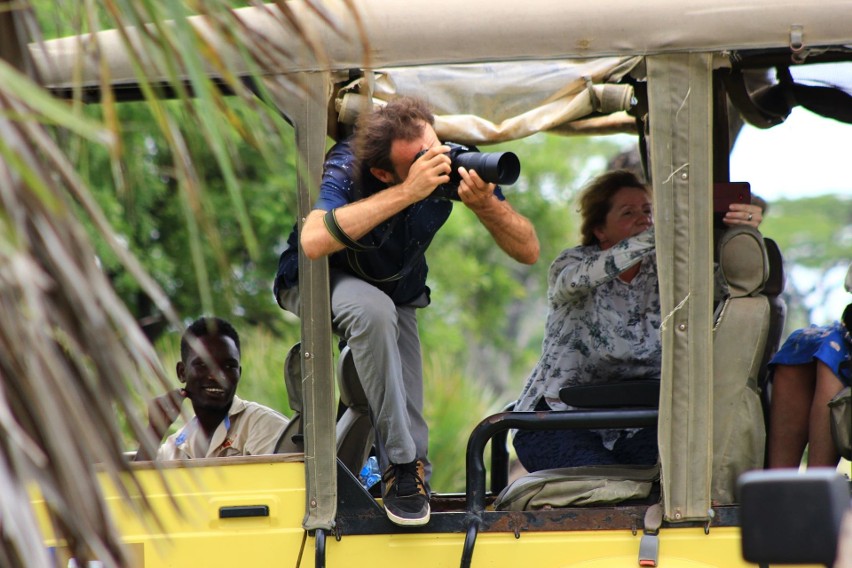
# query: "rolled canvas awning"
{"type": "Point", "coordinates": [428, 32]}
{"type": "Point", "coordinates": [497, 102]}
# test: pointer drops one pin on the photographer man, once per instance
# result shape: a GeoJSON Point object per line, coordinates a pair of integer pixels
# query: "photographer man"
{"type": "Point", "coordinates": [375, 219]}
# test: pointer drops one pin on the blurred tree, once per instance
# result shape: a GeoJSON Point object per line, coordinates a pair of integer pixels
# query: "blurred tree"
{"type": "Point", "coordinates": [815, 237]}
{"type": "Point", "coordinates": [149, 215]}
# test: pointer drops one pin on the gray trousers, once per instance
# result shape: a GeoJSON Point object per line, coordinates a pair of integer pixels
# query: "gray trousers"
{"type": "Point", "coordinates": [385, 348]}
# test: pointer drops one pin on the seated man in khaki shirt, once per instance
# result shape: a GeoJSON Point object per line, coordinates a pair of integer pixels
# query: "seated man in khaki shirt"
{"type": "Point", "coordinates": [224, 425]}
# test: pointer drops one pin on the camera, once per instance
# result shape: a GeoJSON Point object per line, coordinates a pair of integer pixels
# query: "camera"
{"type": "Point", "coordinates": [493, 167]}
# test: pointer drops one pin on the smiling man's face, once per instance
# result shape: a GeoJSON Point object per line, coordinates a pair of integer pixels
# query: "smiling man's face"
{"type": "Point", "coordinates": [212, 386]}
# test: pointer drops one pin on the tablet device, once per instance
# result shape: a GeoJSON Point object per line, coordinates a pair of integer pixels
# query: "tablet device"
{"type": "Point", "coordinates": [725, 193]}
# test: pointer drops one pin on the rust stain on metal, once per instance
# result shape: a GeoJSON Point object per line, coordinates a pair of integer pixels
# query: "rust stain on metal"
{"type": "Point", "coordinates": [562, 520]}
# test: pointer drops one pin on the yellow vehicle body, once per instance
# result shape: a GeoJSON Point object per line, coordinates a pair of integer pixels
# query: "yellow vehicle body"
{"type": "Point", "coordinates": [194, 534]}
{"type": "Point", "coordinates": [190, 530]}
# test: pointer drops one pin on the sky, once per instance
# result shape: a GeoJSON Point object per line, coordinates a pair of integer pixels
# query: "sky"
{"type": "Point", "coordinates": [798, 158]}
{"type": "Point", "coordinates": [801, 156]}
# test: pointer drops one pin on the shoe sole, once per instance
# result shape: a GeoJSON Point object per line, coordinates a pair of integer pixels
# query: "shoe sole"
{"type": "Point", "coordinates": [406, 522]}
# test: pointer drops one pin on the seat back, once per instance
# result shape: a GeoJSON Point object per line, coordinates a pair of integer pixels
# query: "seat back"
{"type": "Point", "coordinates": [637, 393]}
{"type": "Point", "coordinates": [291, 440]}
{"type": "Point", "coordinates": [354, 427]}
{"type": "Point", "coordinates": [773, 290]}
{"type": "Point", "coordinates": [739, 342]}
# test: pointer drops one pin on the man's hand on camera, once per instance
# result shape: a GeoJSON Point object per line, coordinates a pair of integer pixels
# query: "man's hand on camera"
{"type": "Point", "coordinates": [473, 191]}
{"type": "Point", "coordinates": [428, 172]}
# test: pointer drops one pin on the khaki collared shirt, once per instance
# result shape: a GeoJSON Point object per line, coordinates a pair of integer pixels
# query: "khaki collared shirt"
{"type": "Point", "coordinates": [249, 429]}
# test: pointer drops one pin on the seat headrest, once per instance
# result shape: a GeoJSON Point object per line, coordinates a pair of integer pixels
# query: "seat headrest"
{"type": "Point", "coordinates": [777, 279]}
{"type": "Point", "coordinates": [293, 377]}
{"type": "Point", "coordinates": [743, 261]}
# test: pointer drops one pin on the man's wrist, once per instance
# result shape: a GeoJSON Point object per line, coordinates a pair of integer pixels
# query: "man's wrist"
{"type": "Point", "coordinates": [489, 207]}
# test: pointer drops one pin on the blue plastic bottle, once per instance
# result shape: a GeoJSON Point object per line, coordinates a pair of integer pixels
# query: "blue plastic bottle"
{"type": "Point", "coordinates": [370, 474]}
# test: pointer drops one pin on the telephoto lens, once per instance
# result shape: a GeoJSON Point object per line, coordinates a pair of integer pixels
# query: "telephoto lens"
{"type": "Point", "coordinates": [493, 167]}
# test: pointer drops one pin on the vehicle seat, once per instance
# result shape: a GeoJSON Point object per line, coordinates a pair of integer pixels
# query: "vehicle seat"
{"type": "Point", "coordinates": [588, 485]}
{"type": "Point", "coordinates": [291, 440]}
{"type": "Point", "coordinates": [773, 290]}
{"type": "Point", "coordinates": [740, 334]}
{"type": "Point", "coordinates": [354, 431]}
{"type": "Point", "coordinates": [740, 331]}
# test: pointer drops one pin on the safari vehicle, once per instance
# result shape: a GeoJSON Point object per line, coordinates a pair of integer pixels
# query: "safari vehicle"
{"type": "Point", "coordinates": [496, 71]}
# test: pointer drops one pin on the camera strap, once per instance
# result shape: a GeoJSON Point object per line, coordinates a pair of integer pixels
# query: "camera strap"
{"type": "Point", "coordinates": [352, 260]}
{"type": "Point", "coordinates": [331, 224]}
{"type": "Point", "coordinates": [353, 248]}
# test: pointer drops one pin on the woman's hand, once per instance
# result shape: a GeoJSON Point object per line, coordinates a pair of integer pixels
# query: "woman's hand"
{"type": "Point", "coordinates": [742, 214]}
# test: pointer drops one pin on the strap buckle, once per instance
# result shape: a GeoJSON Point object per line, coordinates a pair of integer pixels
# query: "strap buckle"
{"type": "Point", "coordinates": [649, 545]}
{"type": "Point", "coordinates": [649, 550]}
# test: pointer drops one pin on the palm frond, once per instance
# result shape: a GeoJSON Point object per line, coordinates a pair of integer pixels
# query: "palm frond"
{"type": "Point", "coordinates": [72, 358]}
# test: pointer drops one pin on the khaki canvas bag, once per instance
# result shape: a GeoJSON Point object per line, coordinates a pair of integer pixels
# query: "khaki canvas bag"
{"type": "Point", "coordinates": [841, 422]}
{"type": "Point", "coordinates": [575, 486]}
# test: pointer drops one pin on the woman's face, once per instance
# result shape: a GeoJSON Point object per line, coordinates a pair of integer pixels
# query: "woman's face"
{"type": "Point", "coordinates": [629, 215]}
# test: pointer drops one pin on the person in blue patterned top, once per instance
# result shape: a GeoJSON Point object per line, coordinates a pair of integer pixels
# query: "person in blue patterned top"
{"type": "Point", "coordinates": [812, 366]}
{"type": "Point", "coordinates": [603, 323]}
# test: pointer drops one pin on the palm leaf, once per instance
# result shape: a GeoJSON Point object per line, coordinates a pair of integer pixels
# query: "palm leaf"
{"type": "Point", "coordinates": [71, 355]}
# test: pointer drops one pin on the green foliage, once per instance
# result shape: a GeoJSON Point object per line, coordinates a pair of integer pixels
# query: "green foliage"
{"type": "Point", "coordinates": [155, 219]}
{"type": "Point", "coordinates": [813, 234]}
{"type": "Point", "coordinates": [454, 404]}
{"type": "Point", "coordinates": [813, 231]}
